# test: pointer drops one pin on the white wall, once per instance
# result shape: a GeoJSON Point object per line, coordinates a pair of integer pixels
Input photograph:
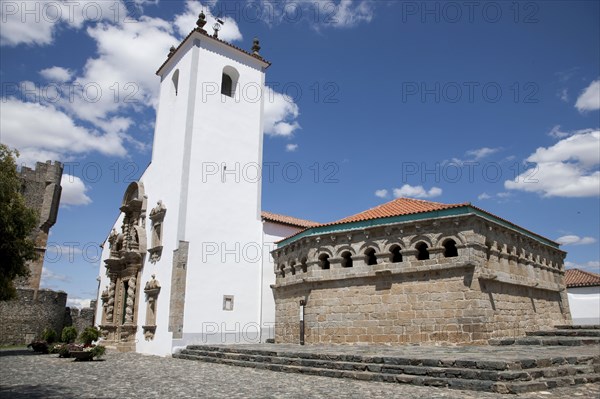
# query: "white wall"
{"type": "Point", "coordinates": [584, 303]}
{"type": "Point", "coordinates": [203, 144]}
{"type": "Point", "coordinates": [272, 232]}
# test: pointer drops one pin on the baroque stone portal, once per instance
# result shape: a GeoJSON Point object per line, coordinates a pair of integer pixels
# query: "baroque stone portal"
{"type": "Point", "coordinates": [123, 267]}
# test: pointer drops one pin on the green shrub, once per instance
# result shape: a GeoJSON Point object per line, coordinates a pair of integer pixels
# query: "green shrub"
{"type": "Point", "coordinates": [69, 334]}
{"type": "Point", "coordinates": [89, 335]}
{"type": "Point", "coordinates": [49, 335]}
{"type": "Point", "coordinates": [98, 351]}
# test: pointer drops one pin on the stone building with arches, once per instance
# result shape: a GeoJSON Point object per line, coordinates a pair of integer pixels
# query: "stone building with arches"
{"type": "Point", "coordinates": [412, 271]}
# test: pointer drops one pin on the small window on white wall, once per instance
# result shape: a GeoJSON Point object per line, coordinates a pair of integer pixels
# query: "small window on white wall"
{"type": "Point", "coordinates": [175, 80]}
{"type": "Point", "coordinates": [229, 81]}
{"type": "Point", "coordinates": [228, 302]}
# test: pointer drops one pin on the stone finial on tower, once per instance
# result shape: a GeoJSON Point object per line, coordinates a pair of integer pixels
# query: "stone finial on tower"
{"type": "Point", "coordinates": [256, 48]}
{"type": "Point", "coordinates": [201, 21]}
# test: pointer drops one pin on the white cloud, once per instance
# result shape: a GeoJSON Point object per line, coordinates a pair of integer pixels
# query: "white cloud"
{"type": "Point", "coordinates": [78, 303]}
{"type": "Point", "coordinates": [73, 191]}
{"type": "Point", "coordinates": [564, 95]}
{"type": "Point", "coordinates": [291, 147]}
{"type": "Point", "coordinates": [575, 240]}
{"type": "Point", "coordinates": [416, 192]}
{"type": "Point", "coordinates": [56, 74]}
{"type": "Point", "coordinates": [483, 196]}
{"type": "Point", "coordinates": [591, 266]}
{"type": "Point", "coordinates": [589, 99]}
{"type": "Point", "coordinates": [318, 14]}
{"type": "Point", "coordinates": [48, 276]}
{"type": "Point", "coordinates": [187, 21]}
{"type": "Point", "coordinates": [383, 193]}
{"type": "Point", "coordinates": [280, 113]}
{"type": "Point", "coordinates": [349, 13]}
{"type": "Point", "coordinates": [482, 152]}
{"type": "Point", "coordinates": [566, 169]}
{"type": "Point", "coordinates": [36, 22]}
{"type": "Point", "coordinates": [557, 133]}
{"type": "Point", "coordinates": [44, 132]}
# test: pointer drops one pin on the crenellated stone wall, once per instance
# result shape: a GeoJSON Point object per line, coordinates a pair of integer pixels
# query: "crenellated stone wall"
{"type": "Point", "coordinates": [41, 190]}
{"type": "Point", "coordinates": [483, 279]}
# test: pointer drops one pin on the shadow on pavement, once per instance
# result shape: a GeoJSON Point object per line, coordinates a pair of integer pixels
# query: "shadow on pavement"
{"type": "Point", "coordinates": [36, 392]}
{"type": "Point", "coordinates": [18, 352]}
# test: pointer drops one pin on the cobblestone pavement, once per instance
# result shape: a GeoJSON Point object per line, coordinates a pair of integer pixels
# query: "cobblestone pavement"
{"type": "Point", "coordinates": [129, 375]}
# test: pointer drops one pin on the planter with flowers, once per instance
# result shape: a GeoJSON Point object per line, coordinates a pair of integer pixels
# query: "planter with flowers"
{"type": "Point", "coordinates": [86, 350]}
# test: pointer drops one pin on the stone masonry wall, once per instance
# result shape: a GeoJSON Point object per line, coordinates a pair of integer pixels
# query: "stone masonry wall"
{"type": "Point", "coordinates": [82, 318]}
{"type": "Point", "coordinates": [429, 307]}
{"type": "Point", "coordinates": [22, 320]}
{"type": "Point", "coordinates": [500, 284]}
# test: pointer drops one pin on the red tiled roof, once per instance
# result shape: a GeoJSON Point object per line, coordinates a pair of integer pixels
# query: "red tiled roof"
{"type": "Point", "coordinates": [397, 207]}
{"type": "Point", "coordinates": [289, 220]}
{"type": "Point", "coordinates": [203, 32]}
{"type": "Point", "coordinates": [407, 206]}
{"type": "Point", "coordinates": [581, 278]}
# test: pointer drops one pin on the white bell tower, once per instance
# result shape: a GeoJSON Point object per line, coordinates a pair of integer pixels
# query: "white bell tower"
{"type": "Point", "coordinates": [206, 171]}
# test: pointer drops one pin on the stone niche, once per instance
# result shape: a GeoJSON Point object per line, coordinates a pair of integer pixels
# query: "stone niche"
{"type": "Point", "coordinates": [123, 267]}
{"type": "Point", "coordinates": [152, 289]}
{"type": "Point", "coordinates": [448, 280]}
{"type": "Point", "coordinates": [157, 216]}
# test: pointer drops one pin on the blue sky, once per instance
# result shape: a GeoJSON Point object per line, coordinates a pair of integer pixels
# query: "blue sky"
{"type": "Point", "coordinates": [493, 103]}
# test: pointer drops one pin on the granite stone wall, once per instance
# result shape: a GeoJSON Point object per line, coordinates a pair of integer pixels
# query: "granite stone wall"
{"type": "Point", "coordinates": [23, 319]}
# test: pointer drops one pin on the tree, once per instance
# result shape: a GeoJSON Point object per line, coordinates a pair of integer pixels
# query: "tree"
{"type": "Point", "coordinates": [17, 221]}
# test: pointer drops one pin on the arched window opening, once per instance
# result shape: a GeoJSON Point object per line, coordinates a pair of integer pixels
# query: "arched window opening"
{"type": "Point", "coordinates": [346, 259]}
{"type": "Point", "coordinates": [371, 259]}
{"type": "Point", "coordinates": [488, 252]}
{"type": "Point", "coordinates": [423, 252]}
{"type": "Point", "coordinates": [396, 255]}
{"type": "Point", "coordinates": [175, 80]}
{"type": "Point", "coordinates": [324, 261]}
{"type": "Point", "coordinates": [450, 250]}
{"type": "Point", "coordinates": [281, 269]}
{"type": "Point", "coordinates": [226, 85]}
{"type": "Point", "coordinates": [293, 268]}
{"type": "Point", "coordinates": [303, 265]}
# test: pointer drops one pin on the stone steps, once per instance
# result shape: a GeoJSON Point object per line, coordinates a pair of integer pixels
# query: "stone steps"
{"type": "Point", "coordinates": [559, 336]}
{"type": "Point", "coordinates": [503, 376]}
{"type": "Point", "coordinates": [547, 341]}
{"type": "Point", "coordinates": [579, 327]}
{"type": "Point", "coordinates": [566, 333]}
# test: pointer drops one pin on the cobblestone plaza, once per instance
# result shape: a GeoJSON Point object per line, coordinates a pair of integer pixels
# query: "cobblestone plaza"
{"type": "Point", "coordinates": [130, 375]}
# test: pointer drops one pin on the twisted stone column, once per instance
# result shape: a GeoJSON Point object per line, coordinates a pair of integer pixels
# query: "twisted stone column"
{"type": "Point", "coordinates": [130, 300]}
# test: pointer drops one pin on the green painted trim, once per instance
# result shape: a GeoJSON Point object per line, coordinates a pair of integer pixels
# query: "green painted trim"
{"type": "Point", "coordinates": [460, 211]}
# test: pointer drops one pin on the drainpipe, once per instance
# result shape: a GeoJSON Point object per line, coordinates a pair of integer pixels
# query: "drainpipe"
{"type": "Point", "coordinates": [302, 303]}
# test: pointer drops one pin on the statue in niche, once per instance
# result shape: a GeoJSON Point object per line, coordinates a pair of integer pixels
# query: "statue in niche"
{"type": "Point", "coordinates": [152, 284]}
{"type": "Point", "coordinates": [112, 238]}
{"type": "Point", "coordinates": [157, 209]}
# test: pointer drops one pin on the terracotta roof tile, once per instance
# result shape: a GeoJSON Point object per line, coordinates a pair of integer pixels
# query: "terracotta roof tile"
{"type": "Point", "coordinates": [408, 206]}
{"type": "Point", "coordinates": [581, 278]}
{"type": "Point", "coordinates": [289, 220]}
{"type": "Point", "coordinates": [397, 207]}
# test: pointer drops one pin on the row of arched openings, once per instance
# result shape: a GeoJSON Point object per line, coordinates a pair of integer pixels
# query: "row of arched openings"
{"type": "Point", "coordinates": [422, 248]}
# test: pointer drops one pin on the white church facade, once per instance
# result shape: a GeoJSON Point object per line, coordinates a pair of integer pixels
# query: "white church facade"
{"type": "Point", "coordinates": [188, 258]}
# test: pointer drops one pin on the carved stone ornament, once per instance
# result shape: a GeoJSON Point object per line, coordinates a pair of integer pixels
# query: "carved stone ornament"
{"type": "Point", "coordinates": [157, 215]}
